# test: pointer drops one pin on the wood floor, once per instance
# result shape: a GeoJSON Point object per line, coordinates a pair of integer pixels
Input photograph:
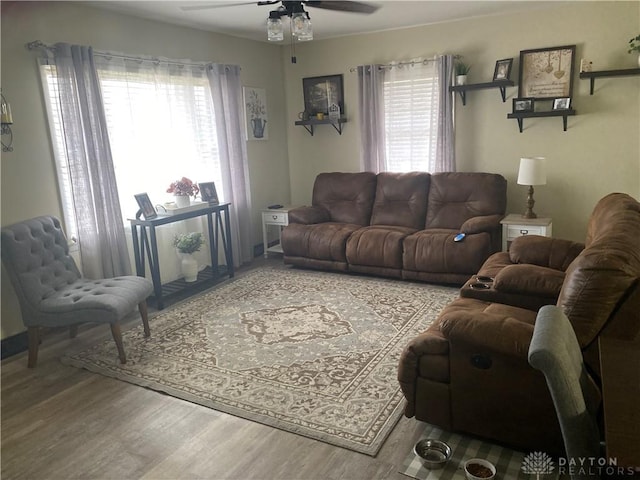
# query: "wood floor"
{"type": "Point", "coordinates": [61, 422]}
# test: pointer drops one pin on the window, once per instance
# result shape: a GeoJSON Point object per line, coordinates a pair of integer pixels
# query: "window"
{"type": "Point", "coordinates": [161, 125]}
{"type": "Point", "coordinates": [411, 110]}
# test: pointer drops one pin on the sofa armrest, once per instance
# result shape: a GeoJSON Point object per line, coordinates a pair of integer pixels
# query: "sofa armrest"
{"type": "Point", "coordinates": [489, 332]}
{"type": "Point", "coordinates": [480, 224]}
{"type": "Point", "coordinates": [549, 252]}
{"type": "Point", "coordinates": [527, 279]}
{"type": "Point", "coordinates": [308, 215]}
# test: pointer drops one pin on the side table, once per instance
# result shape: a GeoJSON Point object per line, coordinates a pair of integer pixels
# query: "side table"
{"type": "Point", "coordinates": [278, 217]}
{"type": "Point", "coordinates": [515, 225]}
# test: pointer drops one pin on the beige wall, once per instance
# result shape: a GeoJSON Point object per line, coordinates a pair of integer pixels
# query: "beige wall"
{"type": "Point", "coordinates": [28, 173]}
{"type": "Point", "coordinates": [599, 153]}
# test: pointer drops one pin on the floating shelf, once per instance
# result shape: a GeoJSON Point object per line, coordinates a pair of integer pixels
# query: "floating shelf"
{"type": "Point", "coordinates": [553, 113]}
{"type": "Point", "coordinates": [626, 72]}
{"type": "Point", "coordinates": [463, 89]}
{"type": "Point", "coordinates": [309, 124]}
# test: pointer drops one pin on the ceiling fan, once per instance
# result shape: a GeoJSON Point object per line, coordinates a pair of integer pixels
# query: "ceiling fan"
{"type": "Point", "coordinates": [342, 6]}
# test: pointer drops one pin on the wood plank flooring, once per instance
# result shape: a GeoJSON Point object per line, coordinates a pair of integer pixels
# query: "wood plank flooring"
{"type": "Point", "coordinates": [61, 422]}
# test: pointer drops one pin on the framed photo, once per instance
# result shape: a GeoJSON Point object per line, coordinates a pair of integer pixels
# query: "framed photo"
{"type": "Point", "coordinates": [208, 192]}
{"type": "Point", "coordinates": [562, 103]}
{"type": "Point", "coordinates": [146, 207]}
{"type": "Point", "coordinates": [547, 73]}
{"type": "Point", "coordinates": [255, 105]}
{"type": "Point", "coordinates": [503, 69]}
{"type": "Point", "coordinates": [321, 92]}
{"type": "Point", "coordinates": [523, 104]}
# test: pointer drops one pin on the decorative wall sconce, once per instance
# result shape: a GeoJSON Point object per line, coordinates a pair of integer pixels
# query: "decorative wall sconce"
{"type": "Point", "coordinates": [6, 120]}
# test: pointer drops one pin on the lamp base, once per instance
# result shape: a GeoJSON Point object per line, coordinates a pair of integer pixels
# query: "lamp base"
{"type": "Point", "coordinates": [528, 213]}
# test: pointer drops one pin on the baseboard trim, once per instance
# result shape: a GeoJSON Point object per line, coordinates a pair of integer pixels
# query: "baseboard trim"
{"type": "Point", "coordinates": [14, 344]}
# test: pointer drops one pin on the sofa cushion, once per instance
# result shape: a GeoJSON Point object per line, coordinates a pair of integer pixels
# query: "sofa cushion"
{"type": "Point", "coordinates": [348, 197]}
{"type": "Point", "coordinates": [377, 245]}
{"type": "Point", "coordinates": [434, 250]}
{"type": "Point", "coordinates": [401, 199]}
{"type": "Point", "coordinates": [322, 241]}
{"type": "Point", "coordinates": [455, 197]}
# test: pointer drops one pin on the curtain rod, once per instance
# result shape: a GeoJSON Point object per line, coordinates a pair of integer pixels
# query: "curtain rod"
{"type": "Point", "coordinates": [37, 44]}
{"type": "Point", "coordinates": [407, 62]}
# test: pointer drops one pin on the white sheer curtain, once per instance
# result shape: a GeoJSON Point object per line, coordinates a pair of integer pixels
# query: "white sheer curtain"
{"type": "Point", "coordinates": [406, 113]}
{"type": "Point", "coordinates": [226, 90]}
{"type": "Point", "coordinates": [87, 157]}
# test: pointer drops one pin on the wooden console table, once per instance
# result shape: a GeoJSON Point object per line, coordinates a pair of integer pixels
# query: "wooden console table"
{"type": "Point", "coordinates": [143, 233]}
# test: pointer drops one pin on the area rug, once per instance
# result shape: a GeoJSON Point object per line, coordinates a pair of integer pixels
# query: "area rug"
{"type": "Point", "coordinates": [308, 352]}
{"type": "Point", "coordinates": [508, 462]}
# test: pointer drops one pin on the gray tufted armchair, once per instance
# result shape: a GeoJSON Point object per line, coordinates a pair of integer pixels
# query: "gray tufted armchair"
{"type": "Point", "coordinates": [52, 292]}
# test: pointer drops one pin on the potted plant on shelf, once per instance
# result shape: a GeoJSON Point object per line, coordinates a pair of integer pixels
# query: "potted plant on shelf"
{"type": "Point", "coordinates": [462, 70]}
{"type": "Point", "coordinates": [634, 46]}
{"type": "Point", "coordinates": [183, 189]}
{"type": "Point", "coordinates": [187, 244]}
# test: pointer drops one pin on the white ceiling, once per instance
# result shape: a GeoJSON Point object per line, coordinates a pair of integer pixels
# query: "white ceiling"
{"type": "Point", "coordinates": [248, 20]}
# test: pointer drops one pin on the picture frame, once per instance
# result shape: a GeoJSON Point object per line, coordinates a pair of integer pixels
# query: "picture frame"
{"type": "Point", "coordinates": [146, 207]}
{"type": "Point", "coordinates": [562, 103]}
{"type": "Point", "coordinates": [524, 104]}
{"type": "Point", "coordinates": [208, 192]}
{"type": "Point", "coordinates": [503, 69]}
{"type": "Point", "coordinates": [320, 92]}
{"type": "Point", "coordinates": [256, 115]}
{"type": "Point", "coordinates": [547, 73]}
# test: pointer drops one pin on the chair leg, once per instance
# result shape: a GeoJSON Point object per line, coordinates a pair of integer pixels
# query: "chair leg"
{"type": "Point", "coordinates": [142, 307]}
{"type": "Point", "coordinates": [117, 337]}
{"type": "Point", "coordinates": [34, 341]}
{"type": "Point", "coordinates": [73, 331]}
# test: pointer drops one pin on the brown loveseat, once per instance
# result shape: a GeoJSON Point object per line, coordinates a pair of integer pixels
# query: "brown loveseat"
{"type": "Point", "coordinates": [399, 225]}
{"type": "Point", "coordinates": [469, 371]}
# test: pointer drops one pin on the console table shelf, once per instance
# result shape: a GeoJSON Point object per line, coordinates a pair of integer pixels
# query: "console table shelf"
{"type": "Point", "coordinates": [626, 72]}
{"type": "Point", "coordinates": [553, 113]}
{"type": "Point", "coordinates": [308, 124]}
{"type": "Point", "coordinates": [463, 89]}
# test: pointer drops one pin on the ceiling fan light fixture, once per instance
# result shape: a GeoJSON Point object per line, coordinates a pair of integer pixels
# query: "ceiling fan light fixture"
{"type": "Point", "coordinates": [275, 31]}
{"type": "Point", "coordinates": [302, 28]}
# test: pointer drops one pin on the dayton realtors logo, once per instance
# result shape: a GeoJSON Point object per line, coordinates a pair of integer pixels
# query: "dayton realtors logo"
{"type": "Point", "coordinates": [539, 463]}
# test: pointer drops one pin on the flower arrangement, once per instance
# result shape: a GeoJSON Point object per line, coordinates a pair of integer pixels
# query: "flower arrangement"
{"type": "Point", "coordinates": [188, 242]}
{"type": "Point", "coordinates": [634, 45]}
{"type": "Point", "coordinates": [184, 186]}
{"type": "Point", "coordinates": [462, 68]}
{"type": "Point", "coordinates": [255, 107]}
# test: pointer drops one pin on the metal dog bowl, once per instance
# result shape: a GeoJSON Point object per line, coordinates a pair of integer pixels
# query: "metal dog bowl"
{"type": "Point", "coordinates": [433, 453]}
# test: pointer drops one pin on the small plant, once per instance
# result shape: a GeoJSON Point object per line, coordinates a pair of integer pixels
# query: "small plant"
{"type": "Point", "coordinates": [634, 45]}
{"type": "Point", "coordinates": [462, 68]}
{"type": "Point", "coordinates": [188, 242]}
{"type": "Point", "coordinates": [184, 186]}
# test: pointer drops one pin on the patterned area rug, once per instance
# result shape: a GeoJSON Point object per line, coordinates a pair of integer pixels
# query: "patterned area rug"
{"type": "Point", "coordinates": [312, 353]}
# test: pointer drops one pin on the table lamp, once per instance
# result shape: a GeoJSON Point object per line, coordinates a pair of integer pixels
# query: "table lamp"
{"type": "Point", "coordinates": [532, 172]}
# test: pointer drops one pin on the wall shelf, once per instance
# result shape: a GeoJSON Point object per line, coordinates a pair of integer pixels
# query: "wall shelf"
{"type": "Point", "coordinates": [463, 89]}
{"type": "Point", "coordinates": [520, 116]}
{"type": "Point", "coordinates": [309, 124]}
{"type": "Point", "coordinates": [626, 72]}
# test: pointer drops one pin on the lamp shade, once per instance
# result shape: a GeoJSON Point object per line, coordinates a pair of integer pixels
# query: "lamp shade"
{"type": "Point", "coordinates": [533, 171]}
{"type": "Point", "coordinates": [275, 32]}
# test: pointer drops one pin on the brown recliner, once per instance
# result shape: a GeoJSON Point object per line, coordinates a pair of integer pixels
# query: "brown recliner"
{"type": "Point", "coordinates": [469, 372]}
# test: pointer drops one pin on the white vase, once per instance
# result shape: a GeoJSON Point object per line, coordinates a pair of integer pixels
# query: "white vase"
{"type": "Point", "coordinates": [183, 201]}
{"type": "Point", "coordinates": [461, 79]}
{"type": "Point", "coordinates": [189, 267]}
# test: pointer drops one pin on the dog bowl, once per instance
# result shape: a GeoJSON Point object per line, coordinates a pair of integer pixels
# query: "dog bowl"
{"type": "Point", "coordinates": [433, 453]}
{"type": "Point", "coordinates": [479, 469]}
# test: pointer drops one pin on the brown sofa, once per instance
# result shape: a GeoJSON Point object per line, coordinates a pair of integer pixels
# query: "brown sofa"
{"type": "Point", "coordinates": [469, 371]}
{"type": "Point", "coordinates": [399, 225]}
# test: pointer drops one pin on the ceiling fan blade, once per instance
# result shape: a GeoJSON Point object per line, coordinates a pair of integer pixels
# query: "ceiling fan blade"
{"type": "Point", "coordinates": [344, 6]}
{"type": "Point", "coordinates": [190, 8]}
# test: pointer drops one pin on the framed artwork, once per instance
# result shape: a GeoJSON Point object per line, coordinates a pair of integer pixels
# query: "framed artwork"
{"type": "Point", "coordinates": [562, 103]}
{"type": "Point", "coordinates": [503, 69]}
{"type": "Point", "coordinates": [208, 192]}
{"type": "Point", "coordinates": [146, 207]}
{"type": "Point", "coordinates": [547, 73]}
{"type": "Point", "coordinates": [523, 104]}
{"type": "Point", "coordinates": [255, 105]}
{"type": "Point", "coordinates": [321, 92]}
